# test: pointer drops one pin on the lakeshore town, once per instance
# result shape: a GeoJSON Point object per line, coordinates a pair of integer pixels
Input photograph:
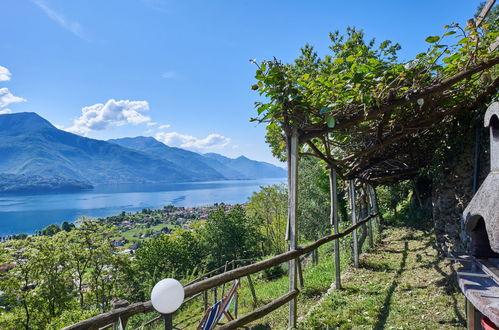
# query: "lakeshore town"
{"type": "Point", "coordinates": [133, 228]}
{"type": "Point", "coordinates": [136, 227]}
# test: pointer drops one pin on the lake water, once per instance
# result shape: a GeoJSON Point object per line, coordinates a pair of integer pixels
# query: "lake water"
{"type": "Point", "coordinates": [29, 213]}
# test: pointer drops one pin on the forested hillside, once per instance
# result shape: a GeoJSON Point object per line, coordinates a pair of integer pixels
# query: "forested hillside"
{"type": "Point", "coordinates": [32, 146]}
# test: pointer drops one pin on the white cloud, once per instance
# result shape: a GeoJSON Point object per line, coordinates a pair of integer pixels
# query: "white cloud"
{"type": "Point", "coordinates": [4, 74]}
{"type": "Point", "coordinates": [166, 126]}
{"type": "Point", "coordinates": [174, 139]}
{"type": "Point", "coordinates": [99, 116]}
{"type": "Point", "coordinates": [152, 123]}
{"type": "Point", "coordinates": [7, 98]}
{"type": "Point", "coordinates": [169, 74]}
{"type": "Point", "coordinates": [5, 111]}
{"type": "Point", "coordinates": [69, 25]}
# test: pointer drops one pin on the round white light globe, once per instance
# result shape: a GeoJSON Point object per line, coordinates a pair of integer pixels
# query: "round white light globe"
{"type": "Point", "coordinates": [167, 296]}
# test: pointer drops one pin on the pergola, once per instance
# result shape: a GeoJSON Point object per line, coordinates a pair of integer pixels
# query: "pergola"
{"type": "Point", "coordinates": [389, 140]}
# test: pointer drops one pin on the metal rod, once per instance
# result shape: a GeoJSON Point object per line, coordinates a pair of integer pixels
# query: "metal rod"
{"type": "Point", "coordinates": [472, 274]}
{"type": "Point", "coordinates": [168, 321]}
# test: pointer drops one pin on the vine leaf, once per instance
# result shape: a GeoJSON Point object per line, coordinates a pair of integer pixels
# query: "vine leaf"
{"type": "Point", "coordinates": [432, 39]}
{"type": "Point", "coordinates": [331, 121]}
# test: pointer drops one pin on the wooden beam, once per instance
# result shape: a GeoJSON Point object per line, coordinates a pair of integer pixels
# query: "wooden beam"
{"type": "Point", "coordinates": [260, 312]}
{"type": "Point", "coordinates": [344, 123]}
{"type": "Point", "coordinates": [485, 10]}
{"type": "Point", "coordinates": [494, 45]}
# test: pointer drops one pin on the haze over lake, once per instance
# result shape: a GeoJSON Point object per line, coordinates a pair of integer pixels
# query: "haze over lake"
{"type": "Point", "coordinates": [29, 213]}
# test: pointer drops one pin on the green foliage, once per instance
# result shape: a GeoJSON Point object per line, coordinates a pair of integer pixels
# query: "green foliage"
{"type": "Point", "coordinates": [268, 208]}
{"type": "Point", "coordinates": [389, 197]}
{"type": "Point", "coordinates": [50, 230]}
{"type": "Point", "coordinates": [67, 226]}
{"type": "Point", "coordinates": [172, 255]}
{"type": "Point", "coordinates": [45, 274]}
{"type": "Point", "coordinates": [314, 199]}
{"type": "Point", "coordinates": [230, 235]}
{"type": "Point", "coordinates": [358, 76]}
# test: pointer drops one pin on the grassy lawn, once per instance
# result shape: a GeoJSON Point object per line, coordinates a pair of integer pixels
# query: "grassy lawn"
{"type": "Point", "coordinates": [129, 234]}
{"type": "Point", "coordinates": [402, 284]}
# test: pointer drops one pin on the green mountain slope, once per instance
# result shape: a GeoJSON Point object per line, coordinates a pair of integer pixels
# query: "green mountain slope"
{"type": "Point", "coordinates": [31, 145]}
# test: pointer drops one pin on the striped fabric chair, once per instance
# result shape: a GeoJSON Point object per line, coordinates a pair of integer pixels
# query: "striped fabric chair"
{"type": "Point", "coordinates": [220, 309]}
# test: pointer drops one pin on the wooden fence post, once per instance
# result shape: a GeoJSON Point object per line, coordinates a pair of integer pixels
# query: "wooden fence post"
{"type": "Point", "coordinates": [354, 221]}
{"type": "Point", "coordinates": [225, 270]}
{"type": "Point", "coordinates": [300, 272]}
{"type": "Point", "coordinates": [292, 154]}
{"type": "Point", "coordinates": [252, 289]}
{"type": "Point", "coordinates": [205, 300]}
{"type": "Point", "coordinates": [379, 217]}
{"type": "Point", "coordinates": [370, 206]}
{"type": "Point", "coordinates": [335, 225]}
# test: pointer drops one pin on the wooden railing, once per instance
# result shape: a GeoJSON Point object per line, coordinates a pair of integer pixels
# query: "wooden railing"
{"type": "Point", "coordinates": [196, 288]}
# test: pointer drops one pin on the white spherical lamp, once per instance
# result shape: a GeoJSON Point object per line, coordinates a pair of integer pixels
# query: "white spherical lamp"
{"type": "Point", "coordinates": [167, 296]}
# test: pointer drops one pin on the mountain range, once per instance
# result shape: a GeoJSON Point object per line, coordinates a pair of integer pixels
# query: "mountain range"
{"type": "Point", "coordinates": [31, 147]}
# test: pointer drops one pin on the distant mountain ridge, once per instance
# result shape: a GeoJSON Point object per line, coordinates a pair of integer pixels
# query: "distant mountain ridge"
{"type": "Point", "coordinates": [216, 164]}
{"type": "Point", "coordinates": [32, 146]}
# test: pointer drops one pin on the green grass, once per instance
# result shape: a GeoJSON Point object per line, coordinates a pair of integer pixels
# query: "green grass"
{"type": "Point", "coordinates": [403, 284]}
{"type": "Point", "coordinates": [129, 234]}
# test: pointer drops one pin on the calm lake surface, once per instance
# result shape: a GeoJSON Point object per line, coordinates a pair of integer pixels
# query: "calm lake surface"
{"type": "Point", "coordinates": [29, 213]}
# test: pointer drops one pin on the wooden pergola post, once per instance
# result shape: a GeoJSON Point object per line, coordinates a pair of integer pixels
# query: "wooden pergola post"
{"type": "Point", "coordinates": [334, 223]}
{"type": "Point", "coordinates": [370, 210]}
{"type": "Point", "coordinates": [376, 210]}
{"type": "Point", "coordinates": [354, 221]}
{"type": "Point", "coordinates": [292, 235]}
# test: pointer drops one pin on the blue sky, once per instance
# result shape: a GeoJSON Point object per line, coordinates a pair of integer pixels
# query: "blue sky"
{"type": "Point", "coordinates": [179, 70]}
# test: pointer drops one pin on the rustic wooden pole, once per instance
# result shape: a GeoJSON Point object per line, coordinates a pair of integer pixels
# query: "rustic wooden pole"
{"type": "Point", "coordinates": [376, 211]}
{"type": "Point", "coordinates": [292, 154]}
{"type": "Point", "coordinates": [334, 223]}
{"type": "Point", "coordinates": [354, 221]}
{"type": "Point", "coordinates": [225, 270]}
{"type": "Point", "coordinates": [300, 272]}
{"type": "Point", "coordinates": [370, 205]}
{"type": "Point", "coordinates": [260, 312]}
{"type": "Point", "coordinates": [205, 300]}
{"type": "Point", "coordinates": [252, 289]}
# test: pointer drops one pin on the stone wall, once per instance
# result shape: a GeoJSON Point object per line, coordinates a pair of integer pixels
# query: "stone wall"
{"type": "Point", "coordinates": [450, 196]}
